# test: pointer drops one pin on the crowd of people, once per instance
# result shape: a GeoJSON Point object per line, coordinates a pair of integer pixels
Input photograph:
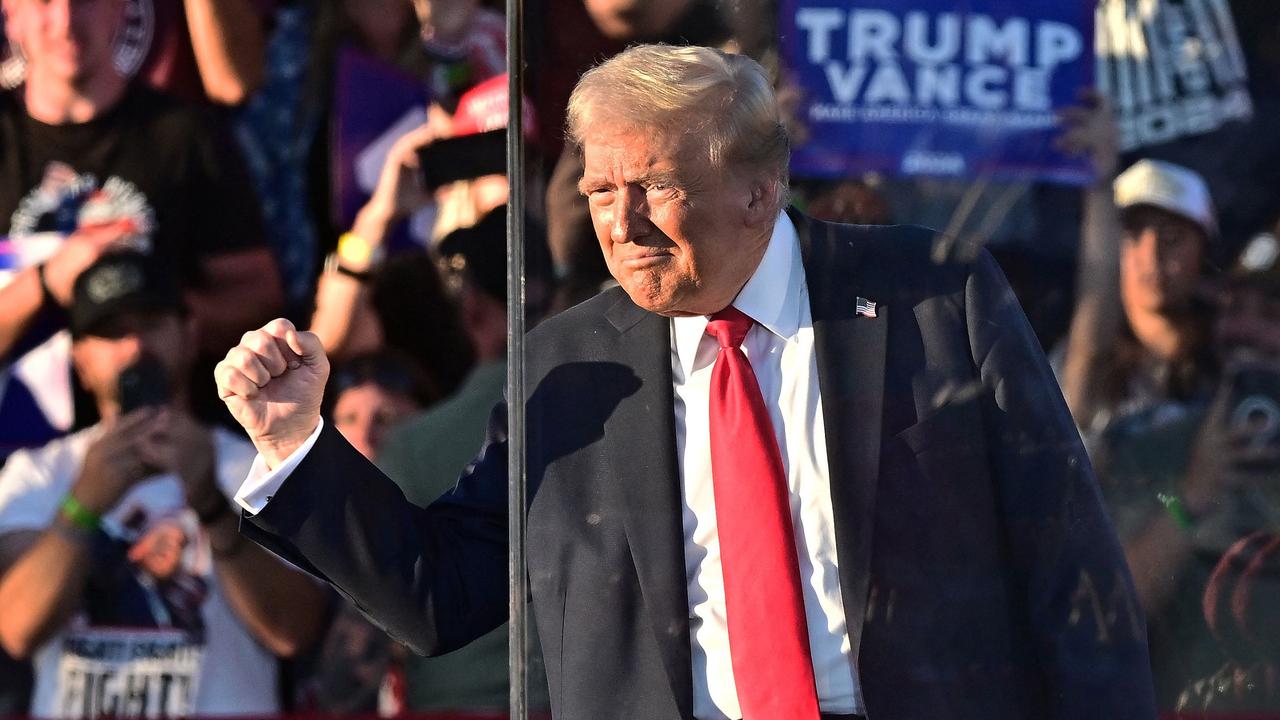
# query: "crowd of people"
{"type": "Point", "coordinates": [174, 174]}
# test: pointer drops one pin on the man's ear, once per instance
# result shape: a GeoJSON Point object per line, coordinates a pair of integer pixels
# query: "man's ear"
{"type": "Point", "coordinates": [763, 204]}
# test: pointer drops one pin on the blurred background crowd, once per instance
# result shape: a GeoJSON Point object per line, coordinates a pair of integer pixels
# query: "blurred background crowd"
{"type": "Point", "coordinates": [174, 173]}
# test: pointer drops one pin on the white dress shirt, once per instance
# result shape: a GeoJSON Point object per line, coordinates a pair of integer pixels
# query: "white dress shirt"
{"type": "Point", "coordinates": [262, 483]}
{"type": "Point", "coordinates": [780, 348]}
{"type": "Point", "coordinates": [781, 351]}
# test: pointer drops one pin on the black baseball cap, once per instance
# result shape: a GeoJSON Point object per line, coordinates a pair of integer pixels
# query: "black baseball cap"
{"type": "Point", "coordinates": [480, 252]}
{"type": "Point", "coordinates": [120, 283]}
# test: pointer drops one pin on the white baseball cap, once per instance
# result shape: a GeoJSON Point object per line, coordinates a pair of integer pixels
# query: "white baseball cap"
{"type": "Point", "coordinates": [1170, 187]}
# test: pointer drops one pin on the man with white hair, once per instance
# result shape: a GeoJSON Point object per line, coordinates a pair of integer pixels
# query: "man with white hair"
{"type": "Point", "coordinates": [788, 469]}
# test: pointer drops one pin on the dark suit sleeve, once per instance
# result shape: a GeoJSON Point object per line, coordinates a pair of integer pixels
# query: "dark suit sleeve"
{"type": "Point", "coordinates": [435, 578]}
{"type": "Point", "coordinates": [1083, 614]}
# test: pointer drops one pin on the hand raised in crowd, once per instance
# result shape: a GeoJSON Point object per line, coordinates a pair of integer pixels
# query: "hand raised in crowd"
{"type": "Point", "coordinates": [193, 458]}
{"type": "Point", "coordinates": [272, 382]}
{"type": "Point", "coordinates": [78, 251]}
{"type": "Point", "coordinates": [1225, 457]}
{"type": "Point", "coordinates": [131, 448]}
{"type": "Point", "coordinates": [1090, 129]}
{"type": "Point", "coordinates": [400, 191]}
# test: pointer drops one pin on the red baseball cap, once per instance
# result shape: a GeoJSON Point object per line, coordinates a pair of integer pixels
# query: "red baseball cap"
{"type": "Point", "coordinates": [484, 108]}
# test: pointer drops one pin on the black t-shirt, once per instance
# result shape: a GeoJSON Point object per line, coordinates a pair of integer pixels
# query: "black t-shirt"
{"type": "Point", "coordinates": [166, 169]}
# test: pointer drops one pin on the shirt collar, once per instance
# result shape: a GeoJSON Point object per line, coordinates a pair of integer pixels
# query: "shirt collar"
{"type": "Point", "coordinates": [771, 297]}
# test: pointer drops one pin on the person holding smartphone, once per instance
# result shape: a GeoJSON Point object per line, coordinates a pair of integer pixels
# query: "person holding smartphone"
{"type": "Point", "coordinates": [1183, 487]}
{"type": "Point", "coordinates": [365, 294]}
{"type": "Point", "coordinates": [122, 576]}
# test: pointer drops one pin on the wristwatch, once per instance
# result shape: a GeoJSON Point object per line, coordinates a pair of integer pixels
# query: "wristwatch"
{"type": "Point", "coordinates": [333, 266]}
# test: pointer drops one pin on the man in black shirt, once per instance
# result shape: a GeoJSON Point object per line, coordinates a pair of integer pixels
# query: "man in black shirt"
{"type": "Point", "coordinates": [90, 163]}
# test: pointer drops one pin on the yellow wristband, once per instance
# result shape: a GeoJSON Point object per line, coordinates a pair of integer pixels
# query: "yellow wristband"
{"type": "Point", "coordinates": [355, 250]}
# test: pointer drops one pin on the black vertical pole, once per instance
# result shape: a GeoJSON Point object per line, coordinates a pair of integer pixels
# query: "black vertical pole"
{"type": "Point", "coordinates": [516, 572]}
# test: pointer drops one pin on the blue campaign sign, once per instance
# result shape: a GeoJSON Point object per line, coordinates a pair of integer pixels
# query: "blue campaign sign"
{"type": "Point", "coordinates": [937, 87]}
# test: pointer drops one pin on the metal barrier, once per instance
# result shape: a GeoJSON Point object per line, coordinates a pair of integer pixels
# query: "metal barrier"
{"type": "Point", "coordinates": [516, 476]}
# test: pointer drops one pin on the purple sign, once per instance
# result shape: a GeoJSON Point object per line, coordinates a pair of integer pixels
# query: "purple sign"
{"type": "Point", "coordinates": [374, 104]}
{"type": "Point", "coordinates": [937, 87]}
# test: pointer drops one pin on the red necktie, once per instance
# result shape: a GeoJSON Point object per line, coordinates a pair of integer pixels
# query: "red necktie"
{"type": "Point", "coordinates": [768, 635]}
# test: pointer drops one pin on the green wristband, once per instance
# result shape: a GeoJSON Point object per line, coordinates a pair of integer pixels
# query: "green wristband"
{"type": "Point", "coordinates": [79, 515]}
{"type": "Point", "coordinates": [1173, 505]}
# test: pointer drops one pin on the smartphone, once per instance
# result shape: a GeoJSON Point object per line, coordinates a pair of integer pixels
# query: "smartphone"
{"type": "Point", "coordinates": [143, 384]}
{"type": "Point", "coordinates": [1255, 403]}
{"type": "Point", "coordinates": [463, 158]}
{"type": "Point", "coordinates": [1255, 413]}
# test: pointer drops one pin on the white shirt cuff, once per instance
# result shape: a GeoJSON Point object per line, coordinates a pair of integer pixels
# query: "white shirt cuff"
{"type": "Point", "coordinates": [262, 483]}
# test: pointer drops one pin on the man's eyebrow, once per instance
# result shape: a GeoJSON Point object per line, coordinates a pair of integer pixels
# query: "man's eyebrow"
{"type": "Point", "coordinates": [663, 177]}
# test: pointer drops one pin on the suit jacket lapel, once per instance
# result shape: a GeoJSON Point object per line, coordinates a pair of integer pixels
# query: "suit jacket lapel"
{"type": "Point", "coordinates": [642, 452]}
{"type": "Point", "coordinates": [851, 359]}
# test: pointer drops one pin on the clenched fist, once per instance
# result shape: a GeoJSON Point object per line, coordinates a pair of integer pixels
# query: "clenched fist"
{"type": "Point", "coordinates": [272, 382]}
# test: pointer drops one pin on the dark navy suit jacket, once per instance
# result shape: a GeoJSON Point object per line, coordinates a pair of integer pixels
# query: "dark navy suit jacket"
{"type": "Point", "coordinates": [981, 578]}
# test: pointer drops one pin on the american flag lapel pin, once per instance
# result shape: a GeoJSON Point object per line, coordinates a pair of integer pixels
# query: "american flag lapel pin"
{"type": "Point", "coordinates": [866, 308]}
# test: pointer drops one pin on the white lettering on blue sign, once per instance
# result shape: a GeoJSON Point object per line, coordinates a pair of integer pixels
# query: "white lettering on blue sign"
{"type": "Point", "coordinates": [944, 61]}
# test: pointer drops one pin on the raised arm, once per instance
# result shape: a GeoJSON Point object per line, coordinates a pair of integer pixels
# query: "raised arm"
{"type": "Point", "coordinates": [28, 294]}
{"type": "Point", "coordinates": [45, 580]}
{"type": "Point", "coordinates": [42, 587]}
{"type": "Point", "coordinates": [344, 319]}
{"type": "Point", "coordinates": [434, 578]}
{"type": "Point", "coordinates": [283, 608]}
{"type": "Point", "coordinates": [230, 46]}
{"type": "Point", "coordinates": [1095, 324]}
